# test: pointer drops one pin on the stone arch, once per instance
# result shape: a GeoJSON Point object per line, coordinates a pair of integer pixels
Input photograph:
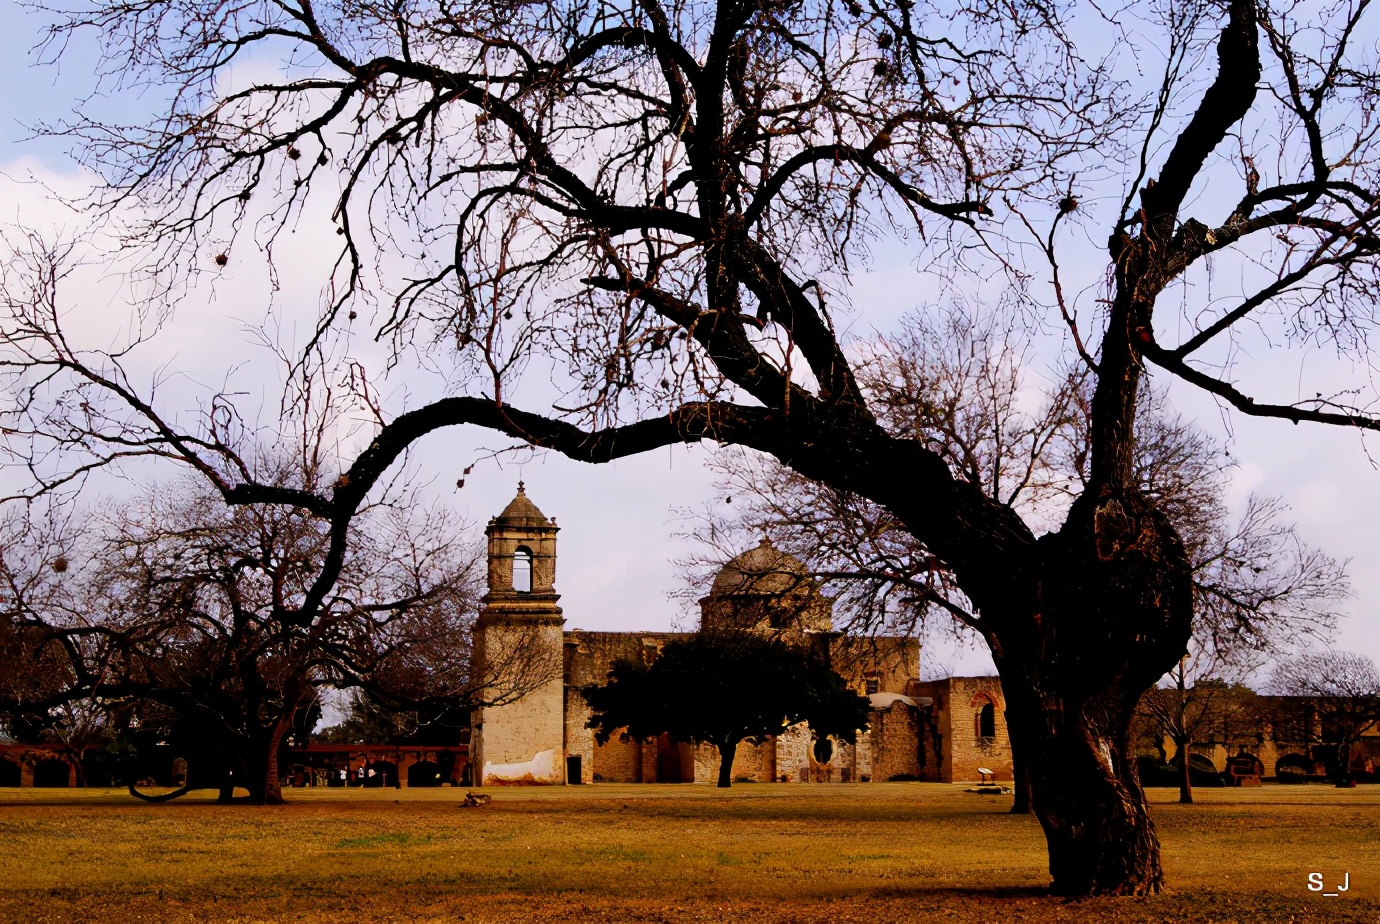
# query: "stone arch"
{"type": "Point", "coordinates": [52, 772]}
{"type": "Point", "coordinates": [984, 717]}
{"type": "Point", "coordinates": [385, 774]}
{"type": "Point", "coordinates": [423, 773]}
{"type": "Point", "coordinates": [1293, 768]}
{"type": "Point", "coordinates": [522, 569]}
{"type": "Point", "coordinates": [10, 774]}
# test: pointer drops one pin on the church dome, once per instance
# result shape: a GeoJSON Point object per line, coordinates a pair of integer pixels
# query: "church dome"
{"type": "Point", "coordinates": [762, 571]}
{"type": "Point", "coordinates": [521, 511]}
{"type": "Point", "coordinates": [765, 589]}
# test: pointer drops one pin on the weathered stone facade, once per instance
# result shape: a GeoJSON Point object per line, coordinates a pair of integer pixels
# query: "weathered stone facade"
{"type": "Point", "coordinates": [963, 729]}
{"type": "Point", "coordinates": [897, 738]}
{"type": "Point", "coordinates": [917, 730]}
{"type": "Point", "coordinates": [1288, 731]}
{"type": "Point", "coordinates": [36, 765]}
{"type": "Point", "coordinates": [518, 654]}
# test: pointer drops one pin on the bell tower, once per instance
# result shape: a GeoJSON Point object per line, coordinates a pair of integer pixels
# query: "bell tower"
{"type": "Point", "coordinates": [519, 737]}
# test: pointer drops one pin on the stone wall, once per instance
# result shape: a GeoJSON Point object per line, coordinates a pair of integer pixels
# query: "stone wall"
{"type": "Point", "coordinates": [958, 702]}
{"type": "Point", "coordinates": [589, 656]}
{"type": "Point", "coordinates": [522, 741]}
{"type": "Point", "coordinates": [579, 740]}
{"type": "Point", "coordinates": [793, 755]}
{"type": "Point", "coordinates": [752, 762]}
{"type": "Point", "coordinates": [892, 663]}
{"type": "Point", "coordinates": [895, 739]}
{"type": "Point", "coordinates": [619, 761]}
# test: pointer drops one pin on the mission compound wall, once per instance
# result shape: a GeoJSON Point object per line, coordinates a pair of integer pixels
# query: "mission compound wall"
{"type": "Point", "coordinates": [967, 729]}
{"type": "Point", "coordinates": [534, 729]}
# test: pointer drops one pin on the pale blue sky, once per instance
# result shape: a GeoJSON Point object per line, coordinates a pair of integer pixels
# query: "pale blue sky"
{"type": "Point", "coordinates": [615, 569]}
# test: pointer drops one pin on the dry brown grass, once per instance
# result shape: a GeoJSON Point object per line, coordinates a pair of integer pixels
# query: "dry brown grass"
{"type": "Point", "coordinates": [876, 852]}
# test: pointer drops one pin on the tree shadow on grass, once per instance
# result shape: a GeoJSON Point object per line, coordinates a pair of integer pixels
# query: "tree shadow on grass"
{"type": "Point", "coordinates": [120, 799]}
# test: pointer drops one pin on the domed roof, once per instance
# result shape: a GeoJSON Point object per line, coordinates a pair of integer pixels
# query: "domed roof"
{"type": "Point", "coordinates": [762, 571]}
{"type": "Point", "coordinates": [522, 512]}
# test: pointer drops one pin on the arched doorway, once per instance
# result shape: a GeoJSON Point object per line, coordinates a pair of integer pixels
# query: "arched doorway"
{"type": "Point", "coordinates": [385, 773]}
{"type": "Point", "coordinates": [9, 772]}
{"type": "Point", "coordinates": [1293, 768]}
{"type": "Point", "coordinates": [52, 773]}
{"type": "Point", "coordinates": [423, 773]}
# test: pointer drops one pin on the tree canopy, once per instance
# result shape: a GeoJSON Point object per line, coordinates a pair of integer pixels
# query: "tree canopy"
{"type": "Point", "coordinates": [723, 688]}
{"type": "Point", "coordinates": [175, 611]}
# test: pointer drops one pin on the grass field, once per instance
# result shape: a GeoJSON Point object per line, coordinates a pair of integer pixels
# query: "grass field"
{"type": "Point", "coordinates": [877, 852]}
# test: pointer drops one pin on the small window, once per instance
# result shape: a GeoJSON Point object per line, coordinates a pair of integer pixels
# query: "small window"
{"type": "Point", "coordinates": [873, 685]}
{"type": "Point", "coordinates": [522, 570]}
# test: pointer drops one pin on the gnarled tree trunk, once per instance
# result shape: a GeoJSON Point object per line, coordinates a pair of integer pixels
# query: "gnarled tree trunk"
{"type": "Point", "coordinates": [265, 786]}
{"type": "Point", "coordinates": [1114, 592]}
{"type": "Point", "coordinates": [1085, 791]}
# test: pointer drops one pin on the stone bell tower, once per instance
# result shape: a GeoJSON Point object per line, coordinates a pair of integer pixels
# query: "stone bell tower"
{"type": "Point", "coordinates": [518, 651]}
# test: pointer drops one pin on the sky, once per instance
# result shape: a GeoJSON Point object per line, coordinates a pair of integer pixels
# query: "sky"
{"type": "Point", "coordinates": [620, 525]}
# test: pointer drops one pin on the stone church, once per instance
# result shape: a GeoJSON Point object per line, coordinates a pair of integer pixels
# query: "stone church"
{"type": "Point", "coordinates": [535, 733]}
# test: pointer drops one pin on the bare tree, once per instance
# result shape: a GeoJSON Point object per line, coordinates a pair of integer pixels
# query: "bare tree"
{"type": "Point", "coordinates": [964, 391]}
{"type": "Point", "coordinates": [197, 608]}
{"type": "Point", "coordinates": [224, 599]}
{"type": "Point", "coordinates": [665, 200]}
{"type": "Point", "coordinates": [35, 658]}
{"type": "Point", "coordinates": [959, 385]}
{"type": "Point", "coordinates": [1343, 691]}
{"type": "Point", "coordinates": [1196, 701]}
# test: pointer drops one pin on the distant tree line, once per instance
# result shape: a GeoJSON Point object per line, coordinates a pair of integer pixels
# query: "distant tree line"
{"type": "Point", "coordinates": [1315, 709]}
{"type": "Point", "coordinates": [173, 620]}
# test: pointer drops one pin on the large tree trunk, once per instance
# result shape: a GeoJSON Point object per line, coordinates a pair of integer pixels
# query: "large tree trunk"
{"type": "Point", "coordinates": [262, 780]}
{"type": "Point", "coordinates": [1090, 803]}
{"type": "Point", "coordinates": [726, 755]}
{"type": "Point", "coordinates": [1020, 772]}
{"type": "Point", "coordinates": [1113, 614]}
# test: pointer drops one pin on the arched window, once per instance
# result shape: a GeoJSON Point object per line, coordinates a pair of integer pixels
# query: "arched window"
{"type": "Point", "coordinates": [984, 718]}
{"type": "Point", "coordinates": [522, 570]}
{"type": "Point", "coordinates": [987, 721]}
